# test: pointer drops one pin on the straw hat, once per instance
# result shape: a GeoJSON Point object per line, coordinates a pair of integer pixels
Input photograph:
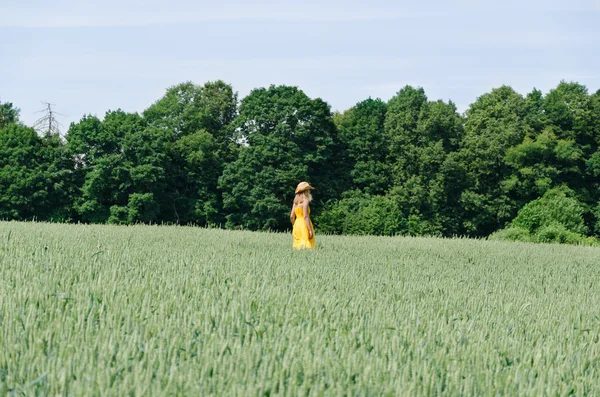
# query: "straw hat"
{"type": "Point", "coordinates": [302, 186]}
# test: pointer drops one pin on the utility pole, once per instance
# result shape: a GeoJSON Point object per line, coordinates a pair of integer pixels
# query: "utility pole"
{"type": "Point", "coordinates": [48, 124]}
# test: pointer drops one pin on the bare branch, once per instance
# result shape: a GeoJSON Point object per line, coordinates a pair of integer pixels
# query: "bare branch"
{"type": "Point", "coordinates": [48, 124]}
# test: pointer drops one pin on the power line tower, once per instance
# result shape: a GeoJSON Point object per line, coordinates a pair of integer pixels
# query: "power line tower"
{"type": "Point", "coordinates": [48, 124]}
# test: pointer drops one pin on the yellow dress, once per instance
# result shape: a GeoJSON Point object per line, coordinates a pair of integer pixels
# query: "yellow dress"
{"type": "Point", "coordinates": [300, 231]}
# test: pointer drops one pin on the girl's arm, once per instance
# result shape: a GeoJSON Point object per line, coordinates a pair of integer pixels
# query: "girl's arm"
{"type": "Point", "coordinates": [292, 215]}
{"type": "Point", "coordinates": [307, 218]}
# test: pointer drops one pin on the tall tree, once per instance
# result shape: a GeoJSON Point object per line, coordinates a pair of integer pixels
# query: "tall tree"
{"type": "Point", "coordinates": [199, 119]}
{"type": "Point", "coordinates": [21, 183]}
{"type": "Point", "coordinates": [361, 128]}
{"type": "Point", "coordinates": [35, 180]}
{"type": "Point", "coordinates": [107, 154]}
{"type": "Point", "coordinates": [287, 137]}
{"type": "Point", "coordinates": [62, 184]}
{"type": "Point", "coordinates": [422, 134]}
{"type": "Point", "coordinates": [8, 114]}
{"type": "Point", "coordinates": [572, 115]}
{"type": "Point", "coordinates": [495, 123]}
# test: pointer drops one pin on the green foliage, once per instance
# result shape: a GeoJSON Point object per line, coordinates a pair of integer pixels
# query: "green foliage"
{"type": "Point", "coordinates": [141, 208]}
{"type": "Point", "coordinates": [286, 138]}
{"type": "Point", "coordinates": [568, 108]}
{"type": "Point", "coordinates": [556, 206]}
{"type": "Point", "coordinates": [35, 176]}
{"type": "Point", "coordinates": [361, 129]}
{"type": "Point", "coordinates": [200, 122]}
{"type": "Point", "coordinates": [21, 183]}
{"type": "Point", "coordinates": [556, 217]}
{"type": "Point", "coordinates": [362, 214]}
{"type": "Point", "coordinates": [494, 124]}
{"type": "Point", "coordinates": [188, 108]}
{"type": "Point", "coordinates": [512, 233]}
{"type": "Point", "coordinates": [408, 166]}
{"type": "Point", "coordinates": [107, 153]}
{"type": "Point", "coordinates": [422, 135]}
{"type": "Point", "coordinates": [359, 214]}
{"type": "Point", "coordinates": [8, 114]}
{"type": "Point", "coordinates": [160, 167]}
{"type": "Point", "coordinates": [539, 164]}
{"type": "Point", "coordinates": [91, 139]}
{"type": "Point", "coordinates": [558, 233]}
{"type": "Point", "coordinates": [58, 165]}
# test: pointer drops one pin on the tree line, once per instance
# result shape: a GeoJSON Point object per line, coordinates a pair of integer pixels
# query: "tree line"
{"type": "Point", "coordinates": [512, 166]}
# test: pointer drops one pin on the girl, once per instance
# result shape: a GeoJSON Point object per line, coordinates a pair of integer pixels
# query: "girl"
{"type": "Point", "coordinates": [303, 232]}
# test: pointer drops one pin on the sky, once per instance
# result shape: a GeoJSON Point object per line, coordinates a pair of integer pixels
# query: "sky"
{"type": "Point", "coordinates": [89, 57]}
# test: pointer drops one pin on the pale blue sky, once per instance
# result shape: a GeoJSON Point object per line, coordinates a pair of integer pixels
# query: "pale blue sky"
{"type": "Point", "coordinates": [88, 57]}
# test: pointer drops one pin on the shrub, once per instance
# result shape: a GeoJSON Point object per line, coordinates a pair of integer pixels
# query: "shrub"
{"type": "Point", "coordinates": [512, 233]}
{"type": "Point", "coordinates": [362, 214]}
{"type": "Point", "coordinates": [556, 206]}
{"type": "Point", "coordinates": [556, 217]}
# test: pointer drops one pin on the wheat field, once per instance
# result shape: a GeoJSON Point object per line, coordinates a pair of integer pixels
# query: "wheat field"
{"type": "Point", "coordinates": [157, 310]}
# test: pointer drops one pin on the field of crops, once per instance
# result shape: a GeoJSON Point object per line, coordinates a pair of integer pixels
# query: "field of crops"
{"type": "Point", "coordinates": [108, 310]}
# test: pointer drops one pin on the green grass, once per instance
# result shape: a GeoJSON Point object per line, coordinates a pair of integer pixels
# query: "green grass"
{"type": "Point", "coordinates": [109, 310]}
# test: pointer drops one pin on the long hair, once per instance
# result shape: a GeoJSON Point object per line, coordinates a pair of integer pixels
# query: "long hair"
{"type": "Point", "coordinates": [300, 197]}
